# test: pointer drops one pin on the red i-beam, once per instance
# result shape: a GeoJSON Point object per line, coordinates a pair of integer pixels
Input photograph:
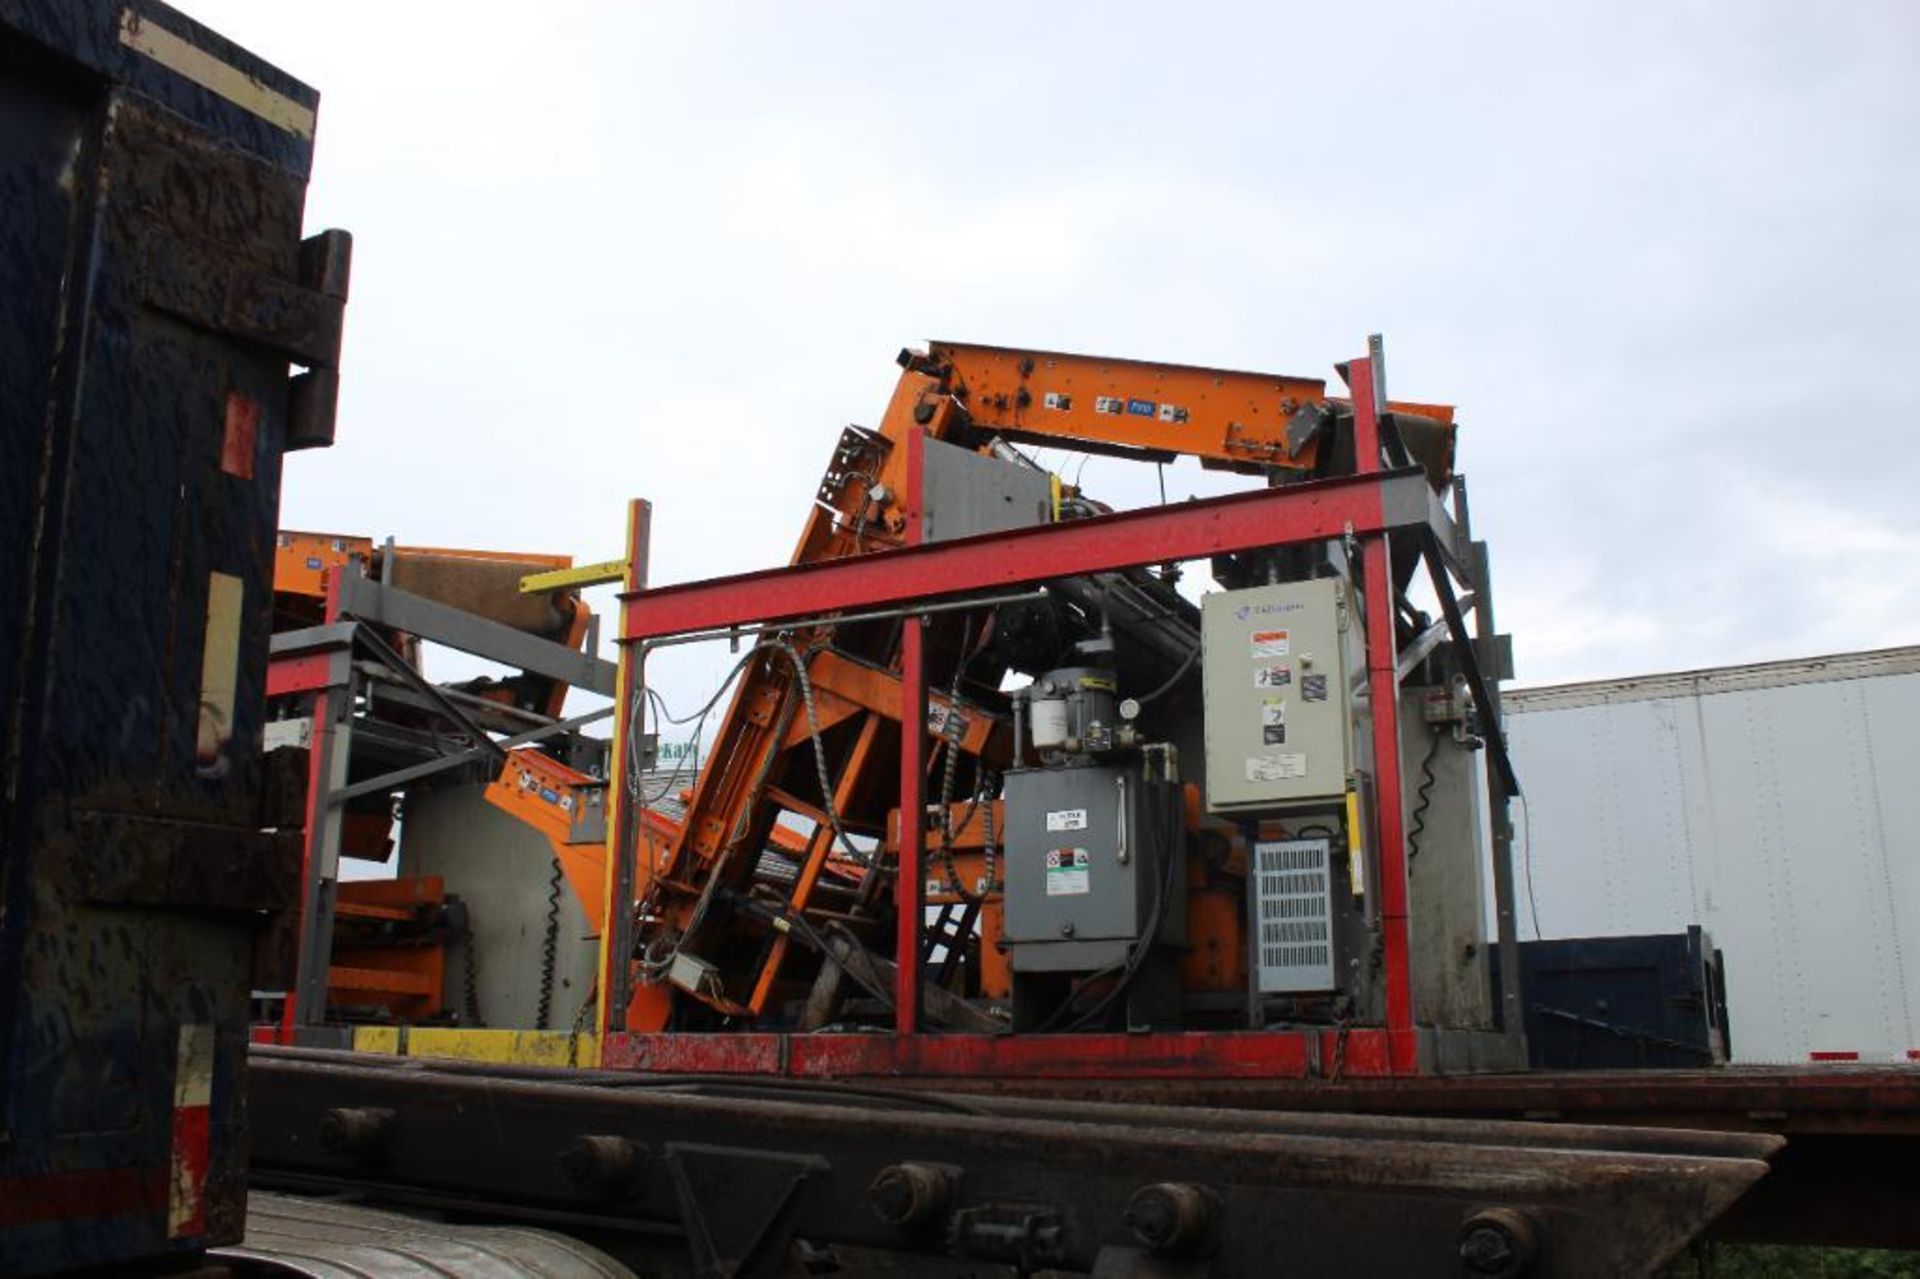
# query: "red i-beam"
{"type": "Point", "coordinates": [908, 900]}
{"type": "Point", "coordinates": [1365, 378]}
{"type": "Point", "coordinates": [1310, 512]}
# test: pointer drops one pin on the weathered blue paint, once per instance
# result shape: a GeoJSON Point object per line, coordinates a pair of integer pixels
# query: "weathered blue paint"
{"type": "Point", "coordinates": [151, 277]}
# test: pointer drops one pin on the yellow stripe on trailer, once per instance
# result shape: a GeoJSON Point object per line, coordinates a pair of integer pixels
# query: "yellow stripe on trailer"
{"type": "Point", "coordinates": [378, 1039]}
{"type": "Point", "coordinates": [500, 1047]}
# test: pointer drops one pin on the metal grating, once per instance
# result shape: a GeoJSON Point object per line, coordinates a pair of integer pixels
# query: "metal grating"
{"type": "Point", "coordinates": [1293, 915]}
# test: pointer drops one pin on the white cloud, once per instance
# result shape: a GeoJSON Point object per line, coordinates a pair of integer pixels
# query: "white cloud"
{"type": "Point", "coordinates": [1668, 269]}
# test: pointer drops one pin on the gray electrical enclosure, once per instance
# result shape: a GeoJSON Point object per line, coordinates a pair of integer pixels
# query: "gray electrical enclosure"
{"type": "Point", "coordinates": [1084, 849]}
{"type": "Point", "coordinates": [1278, 725]}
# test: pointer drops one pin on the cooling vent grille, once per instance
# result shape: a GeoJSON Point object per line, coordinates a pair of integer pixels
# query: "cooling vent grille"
{"type": "Point", "coordinates": [1294, 915]}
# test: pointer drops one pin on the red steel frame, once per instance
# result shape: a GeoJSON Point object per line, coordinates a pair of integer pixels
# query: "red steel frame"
{"type": "Point", "coordinates": [909, 895]}
{"type": "Point", "coordinates": [1354, 506]}
{"type": "Point", "coordinates": [306, 673]}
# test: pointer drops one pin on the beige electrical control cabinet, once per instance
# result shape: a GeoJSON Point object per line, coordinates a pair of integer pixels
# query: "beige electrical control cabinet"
{"type": "Point", "coordinates": [1278, 725]}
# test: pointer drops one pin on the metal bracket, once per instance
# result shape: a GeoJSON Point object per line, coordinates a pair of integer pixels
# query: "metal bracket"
{"type": "Point", "coordinates": [732, 1198]}
{"type": "Point", "coordinates": [387, 781]}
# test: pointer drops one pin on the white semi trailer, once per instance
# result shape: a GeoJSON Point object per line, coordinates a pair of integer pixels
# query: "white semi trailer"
{"type": "Point", "coordinates": [1776, 804]}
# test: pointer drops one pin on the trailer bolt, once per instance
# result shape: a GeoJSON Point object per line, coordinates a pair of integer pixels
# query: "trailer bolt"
{"type": "Point", "coordinates": [910, 1194]}
{"type": "Point", "coordinates": [356, 1130]}
{"type": "Point", "coordinates": [1498, 1242]}
{"type": "Point", "coordinates": [606, 1165]}
{"type": "Point", "coordinates": [1169, 1216]}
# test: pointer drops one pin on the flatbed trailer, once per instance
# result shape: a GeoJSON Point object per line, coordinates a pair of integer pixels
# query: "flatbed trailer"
{"type": "Point", "coordinates": [1848, 1175]}
{"type": "Point", "coordinates": [722, 1176]}
{"type": "Point", "coordinates": [1844, 1176]}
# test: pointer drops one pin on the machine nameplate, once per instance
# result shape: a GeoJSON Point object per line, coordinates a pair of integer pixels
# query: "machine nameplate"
{"type": "Point", "coordinates": [1067, 819]}
{"type": "Point", "coordinates": [1273, 768]}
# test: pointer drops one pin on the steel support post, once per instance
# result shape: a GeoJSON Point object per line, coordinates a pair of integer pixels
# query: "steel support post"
{"type": "Point", "coordinates": [907, 888]}
{"type": "Point", "coordinates": [327, 752]}
{"type": "Point", "coordinates": [1366, 379]}
{"type": "Point", "coordinates": [630, 683]}
{"type": "Point", "coordinates": [1500, 822]}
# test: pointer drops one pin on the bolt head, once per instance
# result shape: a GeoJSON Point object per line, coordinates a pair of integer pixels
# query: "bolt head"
{"type": "Point", "coordinates": [1500, 1243]}
{"type": "Point", "coordinates": [908, 1194]}
{"type": "Point", "coordinates": [1169, 1217]}
{"type": "Point", "coordinates": [1152, 1219]}
{"type": "Point", "coordinates": [891, 1196]}
{"type": "Point", "coordinates": [1486, 1250]}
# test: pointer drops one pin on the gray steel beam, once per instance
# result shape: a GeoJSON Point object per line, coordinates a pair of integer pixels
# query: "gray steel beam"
{"type": "Point", "coordinates": [372, 601]}
{"type": "Point", "coordinates": [332, 635]}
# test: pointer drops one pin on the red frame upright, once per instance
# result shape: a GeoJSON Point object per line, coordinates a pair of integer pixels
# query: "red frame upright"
{"type": "Point", "coordinates": [311, 674]}
{"type": "Point", "coordinates": [908, 893]}
{"type": "Point", "coordinates": [1365, 506]}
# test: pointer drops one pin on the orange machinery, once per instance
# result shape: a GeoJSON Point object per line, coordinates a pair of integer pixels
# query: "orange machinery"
{"type": "Point", "coordinates": [802, 765]}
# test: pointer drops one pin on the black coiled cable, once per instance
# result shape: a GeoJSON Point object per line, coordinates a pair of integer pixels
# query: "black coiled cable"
{"type": "Point", "coordinates": [1423, 797]}
{"type": "Point", "coordinates": [550, 946]}
{"type": "Point", "coordinates": [472, 982]}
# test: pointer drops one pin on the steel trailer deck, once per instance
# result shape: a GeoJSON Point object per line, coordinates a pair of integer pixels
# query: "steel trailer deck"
{"type": "Point", "coordinates": [1849, 1174]}
{"type": "Point", "coordinates": [727, 1176]}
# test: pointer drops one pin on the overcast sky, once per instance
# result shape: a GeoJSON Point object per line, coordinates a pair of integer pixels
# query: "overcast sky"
{"type": "Point", "coordinates": [1664, 258]}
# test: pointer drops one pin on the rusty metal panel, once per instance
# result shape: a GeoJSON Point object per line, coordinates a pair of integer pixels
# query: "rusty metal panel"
{"type": "Point", "coordinates": [154, 291]}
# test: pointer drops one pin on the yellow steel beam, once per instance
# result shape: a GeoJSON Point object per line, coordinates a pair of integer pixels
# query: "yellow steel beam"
{"type": "Point", "coordinates": [561, 579]}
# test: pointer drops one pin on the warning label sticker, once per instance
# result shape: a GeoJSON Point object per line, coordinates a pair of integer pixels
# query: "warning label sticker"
{"type": "Point", "coordinates": [1272, 675]}
{"type": "Point", "coordinates": [1276, 768]}
{"type": "Point", "coordinates": [1313, 688]}
{"type": "Point", "coordinates": [1069, 871]}
{"type": "Point", "coordinates": [1273, 722]}
{"type": "Point", "coordinates": [1271, 643]}
{"type": "Point", "coordinates": [948, 722]}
